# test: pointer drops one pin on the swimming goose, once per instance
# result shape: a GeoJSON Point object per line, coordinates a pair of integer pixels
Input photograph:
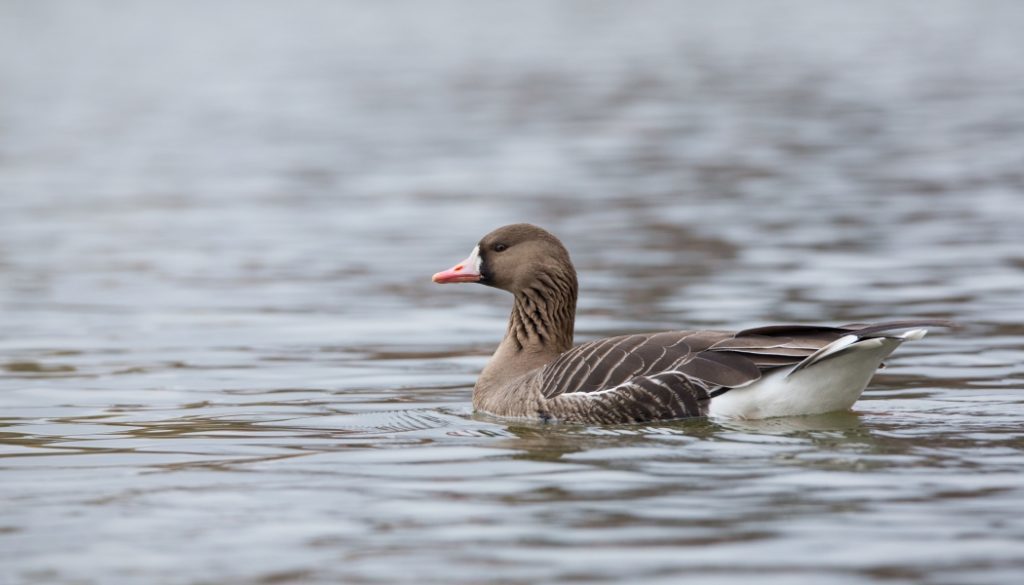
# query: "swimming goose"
{"type": "Point", "coordinates": [536, 373]}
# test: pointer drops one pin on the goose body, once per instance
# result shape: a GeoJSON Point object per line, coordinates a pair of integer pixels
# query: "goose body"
{"type": "Point", "coordinates": [536, 373]}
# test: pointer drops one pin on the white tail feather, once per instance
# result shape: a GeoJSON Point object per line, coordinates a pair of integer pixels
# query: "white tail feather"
{"type": "Point", "coordinates": [914, 334]}
{"type": "Point", "coordinates": [834, 347]}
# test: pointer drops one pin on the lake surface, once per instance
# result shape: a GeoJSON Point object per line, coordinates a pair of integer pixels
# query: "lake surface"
{"type": "Point", "coordinates": [222, 360]}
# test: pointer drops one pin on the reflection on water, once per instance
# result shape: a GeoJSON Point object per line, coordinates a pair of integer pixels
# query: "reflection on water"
{"type": "Point", "coordinates": [222, 360]}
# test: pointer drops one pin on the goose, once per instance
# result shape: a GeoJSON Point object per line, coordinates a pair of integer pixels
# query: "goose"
{"type": "Point", "coordinates": [536, 372]}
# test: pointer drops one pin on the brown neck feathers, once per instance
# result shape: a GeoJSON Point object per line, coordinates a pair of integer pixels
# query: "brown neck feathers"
{"type": "Point", "coordinates": [544, 314]}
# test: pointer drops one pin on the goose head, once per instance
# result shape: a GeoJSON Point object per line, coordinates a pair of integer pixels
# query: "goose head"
{"type": "Point", "coordinates": [514, 258]}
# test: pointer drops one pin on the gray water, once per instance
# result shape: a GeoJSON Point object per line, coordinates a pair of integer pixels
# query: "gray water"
{"type": "Point", "coordinates": [222, 360]}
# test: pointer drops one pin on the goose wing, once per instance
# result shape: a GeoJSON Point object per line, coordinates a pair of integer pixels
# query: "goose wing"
{"type": "Point", "coordinates": [637, 378]}
{"type": "Point", "coordinates": [674, 374]}
{"type": "Point", "coordinates": [712, 358]}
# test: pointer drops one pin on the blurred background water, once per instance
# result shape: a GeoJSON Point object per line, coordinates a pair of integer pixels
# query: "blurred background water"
{"type": "Point", "coordinates": [222, 359]}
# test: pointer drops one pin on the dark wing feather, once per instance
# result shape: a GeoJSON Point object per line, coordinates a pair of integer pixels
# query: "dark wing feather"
{"type": "Point", "coordinates": [873, 329]}
{"type": "Point", "coordinates": [861, 330]}
{"type": "Point", "coordinates": [721, 369]}
{"type": "Point", "coordinates": [793, 331]}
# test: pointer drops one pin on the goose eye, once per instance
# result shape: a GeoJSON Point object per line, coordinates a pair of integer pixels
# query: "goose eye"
{"type": "Point", "coordinates": [500, 247]}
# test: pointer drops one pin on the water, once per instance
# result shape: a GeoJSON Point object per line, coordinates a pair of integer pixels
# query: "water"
{"type": "Point", "coordinates": [222, 360]}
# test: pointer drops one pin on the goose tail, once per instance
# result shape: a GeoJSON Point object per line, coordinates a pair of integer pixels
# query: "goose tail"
{"type": "Point", "coordinates": [830, 379]}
